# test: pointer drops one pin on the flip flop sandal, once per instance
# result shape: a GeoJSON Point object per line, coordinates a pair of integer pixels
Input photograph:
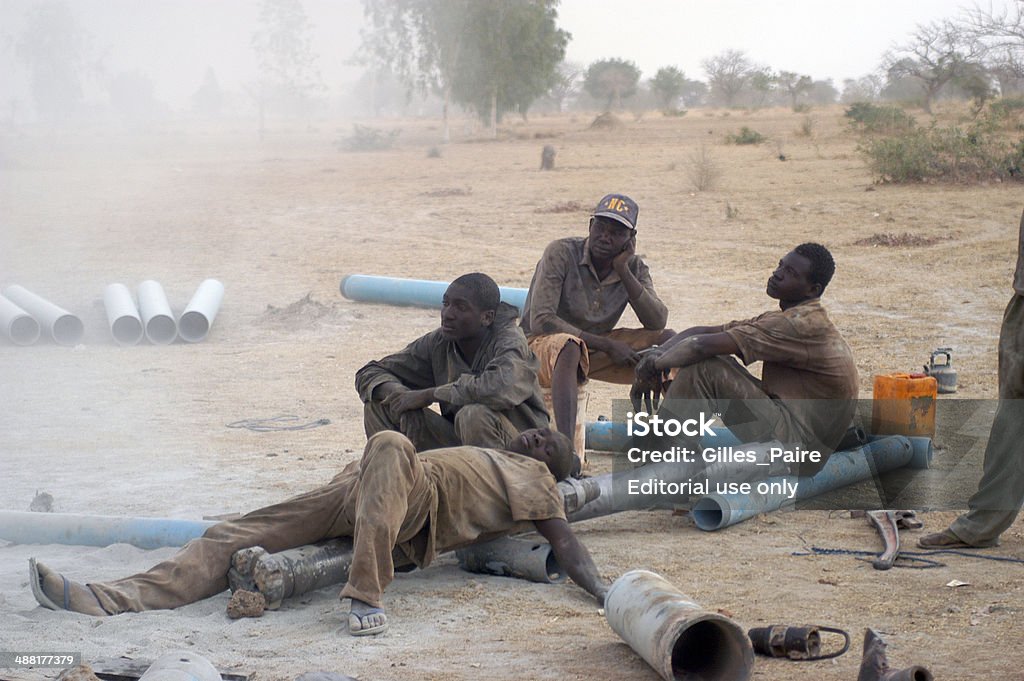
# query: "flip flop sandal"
{"type": "Point", "coordinates": [380, 628]}
{"type": "Point", "coordinates": [35, 581]}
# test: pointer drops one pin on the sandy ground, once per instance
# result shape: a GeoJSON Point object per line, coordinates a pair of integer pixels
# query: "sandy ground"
{"type": "Point", "coordinates": [142, 430]}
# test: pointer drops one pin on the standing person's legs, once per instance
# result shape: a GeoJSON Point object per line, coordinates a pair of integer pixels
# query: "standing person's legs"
{"type": "Point", "coordinates": [1000, 494]}
{"type": "Point", "coordinates": [393, 505]}
{"type": "Point", "coordinates": [426, 428]}
{"type": "Point", "coordinates": [200, 569]}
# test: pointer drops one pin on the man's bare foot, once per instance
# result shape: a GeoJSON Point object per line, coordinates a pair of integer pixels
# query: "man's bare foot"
{"type": "Point", "coordinates": [366, 620]}
{"type": "Point", "coordinates": [54, 591]}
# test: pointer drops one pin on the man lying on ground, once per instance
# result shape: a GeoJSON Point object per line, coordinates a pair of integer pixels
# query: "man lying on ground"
{"type": "Point", "coordinates": [578, 293]}
{"type": "Point", "coordinates": [808, 387]}
{"type": "Point", "coordinates": [391, 499]}
{"type": "Point", "coordinates": [477, 366]}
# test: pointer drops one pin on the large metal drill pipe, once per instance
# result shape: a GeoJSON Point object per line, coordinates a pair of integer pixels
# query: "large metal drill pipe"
{"type": "Point", "coordinates": [26, 527]}
{"type": "Point", "coordinates": [680, 639]}
{"type": "Point", "coordinates": [513, 557]}
{"type": "Point", "coordinates": [416, 292]}
{"type": "Point", "coordinates": [715, 511]}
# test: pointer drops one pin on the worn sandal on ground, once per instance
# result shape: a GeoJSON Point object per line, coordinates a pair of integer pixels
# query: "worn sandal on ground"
{"type": "Point", "coordinates": [35, 580]}
{"type": "Point", "coordinates": [355, 623]}
{"type": "Point", "coordinates": [944, 540]}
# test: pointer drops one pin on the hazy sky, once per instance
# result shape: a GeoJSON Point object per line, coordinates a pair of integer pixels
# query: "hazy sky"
{"type": "Point", "coordinates": [174, 41]}
{"type": "Point", "coordinates": [822, 38]}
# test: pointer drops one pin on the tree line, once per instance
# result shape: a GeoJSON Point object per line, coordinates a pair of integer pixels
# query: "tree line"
{"type": "Point", "coordinates": [500, 57]}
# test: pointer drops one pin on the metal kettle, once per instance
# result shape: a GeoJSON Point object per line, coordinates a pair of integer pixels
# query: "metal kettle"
{"type": "Point", "coordinates": [944, 373]}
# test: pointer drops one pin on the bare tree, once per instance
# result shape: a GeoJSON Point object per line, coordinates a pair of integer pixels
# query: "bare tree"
{"type": "Point", "coordinates": [56, 50]}
{"type": "Point", "coordinates": [728, 74]}
{"type": "Point", "coordinates": [1001, 37]}
{"type": "Point", "coordinates": [288, 76]}
{"type": "Point", "coordinates": [794, 85]}
{"type": "Point", "coordinates": [864, 89]}
{"type": "Point", "coordinates": [566, 83]}
{"type": "Point", "coordinates": [933, 56]}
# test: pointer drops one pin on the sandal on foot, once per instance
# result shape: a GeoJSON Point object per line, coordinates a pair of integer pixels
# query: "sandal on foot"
{"type": "Point", "coordinates": [943, 540]}
{"type": "Point", "coordinates": [35, 580]}
{"type": "Point", "coordinates": [355, 623]}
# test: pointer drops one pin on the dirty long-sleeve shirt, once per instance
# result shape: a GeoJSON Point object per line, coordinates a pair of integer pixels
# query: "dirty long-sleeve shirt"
{"type": "Point", "coordinates": [502, 376]}
{"type": "Point", "coordinates": [567, 297]}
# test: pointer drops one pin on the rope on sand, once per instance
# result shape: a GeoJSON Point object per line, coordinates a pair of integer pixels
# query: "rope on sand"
{"type": "Point", "coordinates": [909, 556]}
{"type": "Point", "coordinates": [277, 423]}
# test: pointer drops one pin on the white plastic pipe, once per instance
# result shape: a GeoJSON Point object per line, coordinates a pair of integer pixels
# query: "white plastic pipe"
{"type": "Point", "coordinates": [64, 327]}
{"type": "Point", "coordinates": [18, 325]}
{"type": "Point", "coordinates": [157, 318]}
{"type": "Point", "coordinates": [195, 322]}
{"type": "Point", "coordinates": [123, 318]}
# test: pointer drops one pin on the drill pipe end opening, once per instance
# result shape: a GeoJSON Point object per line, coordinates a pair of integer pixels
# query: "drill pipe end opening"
{"type": "Point", "coordinates": [710, 649]}
{"type": "Point", "coordinates": [708, 514]}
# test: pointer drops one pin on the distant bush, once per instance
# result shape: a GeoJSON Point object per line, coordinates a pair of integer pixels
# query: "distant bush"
{"type": "Point", "coordinates": [1005, 106]}
{"type": "Point", "coordinates": [702, 169]}
{"type": "Point", "coordinates": [365, 138]}
{"type": "Point", "coordinates": [945, 154]}
{"type": "Point", "coordinates": [745, 136]}
{"type": "Point", "coordinates": [806, 128]}
{"type": "Point", "coordinates": [871, 118]}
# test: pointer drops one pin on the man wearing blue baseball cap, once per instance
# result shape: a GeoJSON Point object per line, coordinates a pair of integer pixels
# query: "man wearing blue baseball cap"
{"type": "Point", "coordinates": [579, 291]}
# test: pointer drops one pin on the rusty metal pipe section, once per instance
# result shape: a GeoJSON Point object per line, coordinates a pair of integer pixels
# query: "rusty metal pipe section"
{"type": "Point", "coordinates": [290, 573]}
{"type": "Point", "coordinates": [673, 634]}
{"type": "Point", "coordinates": [578, 493]}
{"type": "Point", "coordinates": [513, 557]}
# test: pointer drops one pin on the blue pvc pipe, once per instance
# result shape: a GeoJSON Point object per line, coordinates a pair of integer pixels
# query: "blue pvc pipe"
{"type": "Point", "coordinates": [610, 436]}
{"type": "Point", "coordinates": [25, 527]}
{"type": "Point", "coordinates": [415, 292]}
{"type": "Point", "coordinates": [715, 511]}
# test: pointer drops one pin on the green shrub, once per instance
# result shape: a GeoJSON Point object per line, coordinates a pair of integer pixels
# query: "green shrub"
{"type": "Point", "coordinates": [945, 154]}
{"type": "Point", "coordinates": [871, 118]}
{"type": "Point", "coordinates": [745, 136]}
{"type": "Point", "coordinates": [1006, 106]}
{"type": "Point", "coordinates": [365, 138]}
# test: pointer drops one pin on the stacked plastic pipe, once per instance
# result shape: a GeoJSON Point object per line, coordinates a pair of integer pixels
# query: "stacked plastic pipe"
{"type": "Point", "coordinates": [25, 315]}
